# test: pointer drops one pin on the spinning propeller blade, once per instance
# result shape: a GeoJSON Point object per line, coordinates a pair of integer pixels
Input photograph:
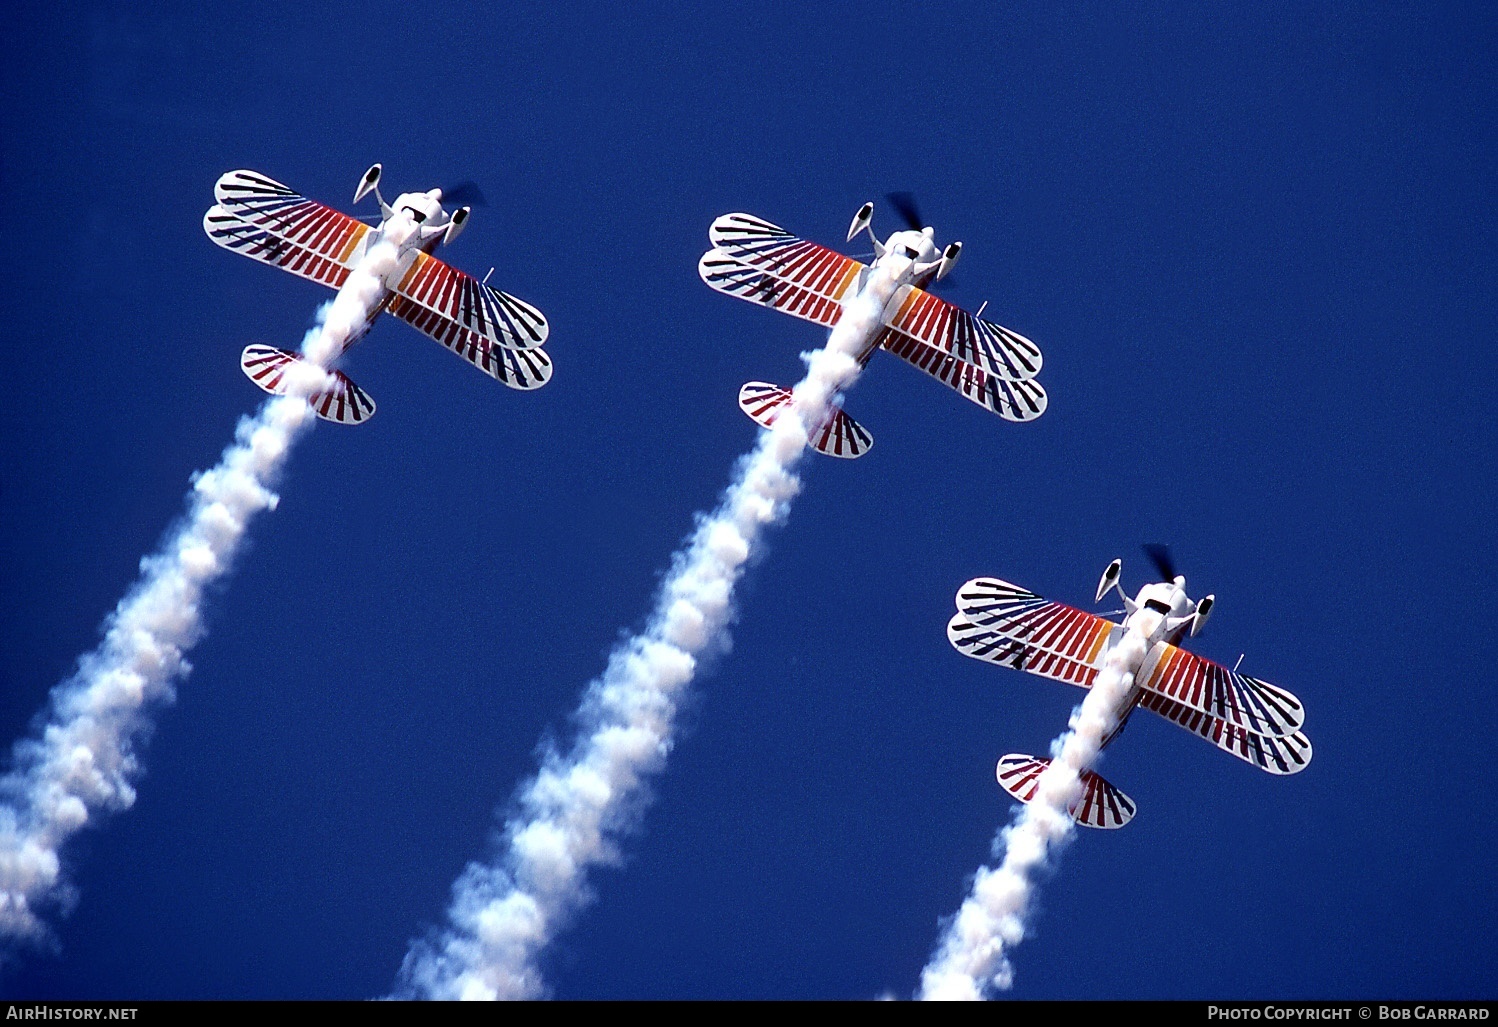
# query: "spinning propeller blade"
{"type": "Point", "coordinates": [464, 194]}
{"type": "Point", "coordinates": [1160, 554]}
{"type": "Point", "coordinates": [904, 203]}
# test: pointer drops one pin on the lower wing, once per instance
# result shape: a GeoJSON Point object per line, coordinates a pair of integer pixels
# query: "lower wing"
{"type": "Point", "coordinates": [735, 278]}
{"type": "Point", "coordinates": [763, 263]}
{"type": "Point", "coordinates": [457, 296]}
{"type": "Point", "coordinates": [233, 233]}
{"type": "Point", "coordinates": [1014, 613]}
{"type": "Point", "coordinates": [924, 318]}
{"type": "Point", "coordinates": [518, 368]}
{"type": "Point", "coordinates": [289, 217]}
{"type": "Point", "coordinates": [1012, 400]}
{"type": "Point", "coordinates": [1199, 684]}
{"type": "Point", "coordinates": [1281, 754]}
{"type": "Point", "coordinates": [994, 646]}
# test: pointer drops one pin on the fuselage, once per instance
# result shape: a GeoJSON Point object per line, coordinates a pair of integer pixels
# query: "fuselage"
{"type": "Point", "coordinates": [402, 227]}
{"type": "Point", "coordinates": [906, 258]}
{"type": "Point", "coordinates": [1160, 612]}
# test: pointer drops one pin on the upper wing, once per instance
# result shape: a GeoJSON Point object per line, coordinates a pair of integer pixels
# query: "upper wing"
{"type": "Point", "coordinates": [1008, 625]}
{"type": "Point", "coordinates": [1283, 754]}
{"type": "Point", "coordinates": [311, 230]}
{"type": "Point", "coordinates": [496, 316]}
{"type": "Point", "coordinates": [1198, 684]}
{"type": "Point", "coordinates": [1011, 400]}
{"type": "Point", "coordinates": [921, 316]}
{"type": "Point", "coordinates": [763, 263]}
{"type": "Point", "coordinates": [517, 368]}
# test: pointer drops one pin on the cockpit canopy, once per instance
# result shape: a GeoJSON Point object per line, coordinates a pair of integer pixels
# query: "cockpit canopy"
{"type": "Point", "coordinates": [1167, 598]}
{"type": "Point", "coordinates": [421, 207]}
{"type": "Point", "coordinates": [914, 246]}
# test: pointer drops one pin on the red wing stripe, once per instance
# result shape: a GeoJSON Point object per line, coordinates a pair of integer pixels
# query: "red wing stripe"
{"type": "Point", "coordinates": [1247, 703]}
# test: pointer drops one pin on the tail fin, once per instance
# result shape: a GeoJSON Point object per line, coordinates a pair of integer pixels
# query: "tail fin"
{"type": "Point", "coordinates": [839, 436]}
{"type": "Point", "coordinates": [1101, 805]}
{"type": "Point", "coordinates": [344, 403]}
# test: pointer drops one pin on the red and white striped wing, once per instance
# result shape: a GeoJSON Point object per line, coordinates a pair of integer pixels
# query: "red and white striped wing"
{"type": "Point", "coordinates": [232, 233]}
{"type": "Point", "coordinates": [763, 263]}
{"type": "Point", "coordinates": [518, 368]}
{"type": "Point", "coordinates": [1282, 754]}
{"type": "Point", "coordinates": [496, 316]}
{"type": "Point", "coordinates": [1210, 688]}
{"type": "Point", "coordinates": [1012, 400]}
{"type": "Point", "coordinates": [994, 646]}
{"type": "Point", "coordinates": [1011, 626]}
{"type": "Point", "coordinates": [285, 229]}
{"type": "Point", "coordinates": [918, 315]}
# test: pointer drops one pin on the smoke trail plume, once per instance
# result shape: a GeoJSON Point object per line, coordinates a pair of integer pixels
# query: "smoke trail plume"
{"type": "Point", "coordinates": [971, 959]}
{"type": "Point", "coordinates": [572, 813]}
{"type": "Point", "coordinates": [83, 758]}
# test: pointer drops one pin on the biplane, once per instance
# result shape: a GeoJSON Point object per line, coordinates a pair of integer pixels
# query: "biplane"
{"type": "Point", "coordinates": [492, 330]}
{"type": "Point", "coordinates": [764, 264]}
{"type": "Point", "coordinates": [1007, 625]}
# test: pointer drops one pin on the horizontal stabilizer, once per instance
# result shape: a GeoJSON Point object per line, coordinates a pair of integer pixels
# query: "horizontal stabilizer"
{"type": "Point", "coordinates": [839, 435]}
{"type": "Point", "coordinates": [344, 403]}
{"type": "Point", "coordinates": [1101, 805]}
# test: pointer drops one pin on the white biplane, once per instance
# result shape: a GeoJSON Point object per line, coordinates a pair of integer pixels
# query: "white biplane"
{"type": "Point", "coordinates": [763, 263]}
{"type": "Point", "coordinates": [494, 331]}
{"type": "Point", "coordinates": [1004, 624]}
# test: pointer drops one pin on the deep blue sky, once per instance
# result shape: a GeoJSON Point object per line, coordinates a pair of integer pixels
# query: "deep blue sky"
{"type": "Point", "coordinates": [1255, 246]}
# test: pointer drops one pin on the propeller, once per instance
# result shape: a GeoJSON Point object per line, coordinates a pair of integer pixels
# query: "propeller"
{"type": "Point", "coordinates": [904, 203]}
{"type": "Point", "coordinates": [465, 194]}
{"type": "Point", "coordinates": [1160, 554]}
{"type": "Point", "coordinates": [905, 206]}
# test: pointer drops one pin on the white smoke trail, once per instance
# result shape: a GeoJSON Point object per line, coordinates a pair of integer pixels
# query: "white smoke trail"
{"type": "Point", "coordinates": [572, 813]}
{"type": "Point", "coordinates": [971, 959]}
{"type": "Point", "coordinates": [83, 759]}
